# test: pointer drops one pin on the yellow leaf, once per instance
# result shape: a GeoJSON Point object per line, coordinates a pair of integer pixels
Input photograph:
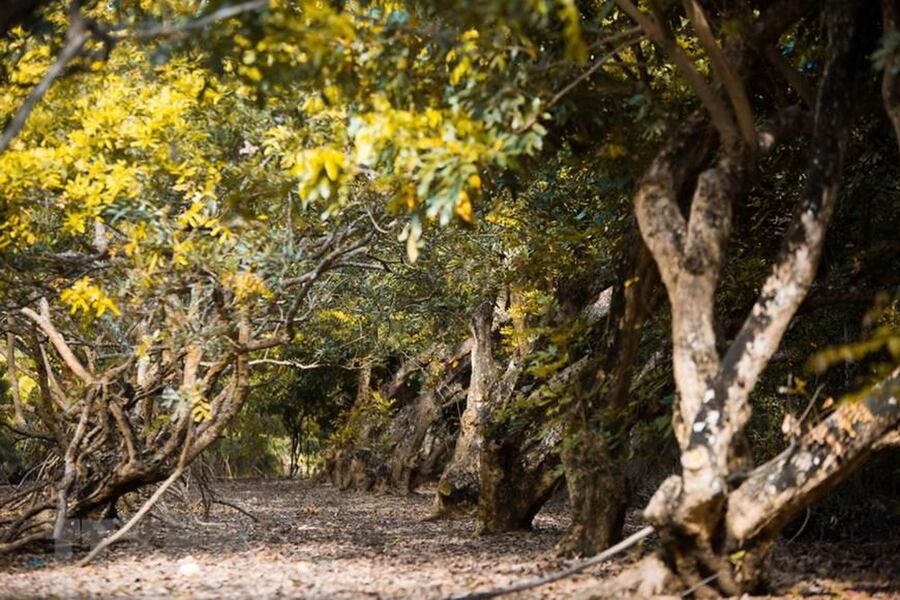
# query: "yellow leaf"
{"type": "Point", "coordinates": [464, 207]}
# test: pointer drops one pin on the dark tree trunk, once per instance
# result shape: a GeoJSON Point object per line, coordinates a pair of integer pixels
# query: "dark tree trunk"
{"type": "Point", "coordinates": [520, 465]}
{"type": "Point", "coordinates": [517, 479]}
{"type": "Point", "coordinates": [597, 488]}
{"type": "Point", "coordinates": [420, 446]}
{"type": "Point", "coordinates": [520, 458]}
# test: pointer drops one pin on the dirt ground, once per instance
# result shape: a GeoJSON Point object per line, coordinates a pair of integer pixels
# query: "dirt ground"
{"type": "Point", "coordinates": [315, 542]}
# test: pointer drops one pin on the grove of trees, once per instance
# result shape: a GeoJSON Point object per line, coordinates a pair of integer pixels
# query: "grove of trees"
{"type": "Point", "coordinates": [645, 252]}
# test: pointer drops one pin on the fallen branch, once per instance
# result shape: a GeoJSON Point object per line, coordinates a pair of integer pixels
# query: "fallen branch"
{"type": "Point", "coordinates": [577, 568]}
{"type": "Point", "coordinates": [237, 508]}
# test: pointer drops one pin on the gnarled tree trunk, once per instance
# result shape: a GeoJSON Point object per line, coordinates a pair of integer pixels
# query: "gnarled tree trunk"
{"type": "Point", "coordinates": [419, 448]}
{"type": "Point", "coordinates": [706, 517]}
{"type": "Point", "coordinates": [520, 462]}
{"type": "Point", "coordinates": [459, 486]}
{"type": "Point", "coordinates": [597, 488]}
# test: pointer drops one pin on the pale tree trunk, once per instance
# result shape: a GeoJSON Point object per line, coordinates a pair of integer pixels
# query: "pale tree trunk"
{"type": "Point", "coordinates": [13, 375]}
{"type": "Point", "coordinates": [459, 487]}
{"type": "Point", "coordinates": [700, 514]}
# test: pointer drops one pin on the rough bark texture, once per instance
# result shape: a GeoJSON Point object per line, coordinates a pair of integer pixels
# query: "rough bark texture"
{"type": "Point", "coordinates": [829, 453]}
{"type": "Point", "coordinates": [520, 459]}
{"type": "Point", "coordinates": [415, 445]}
{"type": "Point", "coordinates": [689, 510]}
{"type": "Point", "coordinates": [516, 480]}
{"type": "Point", "coordinates": [520, 465]}
{"type": "Point", "coordinates": [597, 488]}
{"type": "Point", "coordinates": [420, 447]}
{"type": "Point", "coordinates": [459, 487]}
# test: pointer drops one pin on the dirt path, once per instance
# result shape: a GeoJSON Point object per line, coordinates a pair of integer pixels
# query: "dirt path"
{"type": "Point", "coordinates": [319, 543]}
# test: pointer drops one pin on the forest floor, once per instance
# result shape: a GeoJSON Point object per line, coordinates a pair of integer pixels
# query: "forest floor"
{"type": "Point", "coordinates": [313, 541]}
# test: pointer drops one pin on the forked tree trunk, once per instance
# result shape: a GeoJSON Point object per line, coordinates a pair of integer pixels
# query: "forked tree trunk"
{"type": "Point", "coordinates": [704, 518]}
{"type": "Point", "coordinates": [459, 486]}
{"type": "Point", "coordinates": [517, 479]}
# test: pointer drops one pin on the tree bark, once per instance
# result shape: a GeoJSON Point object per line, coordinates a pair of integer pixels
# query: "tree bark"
{"type": "Point", "coordinates": [13, 375]}
{"type": "Point", "coordinates": [520, 465]}
{"type": "Point", "coordinates": [597, 488]}
{"type": "Point", "coordinates": [690, 511]}
{"type": "Point", "coordinates": [419, 449]}
{"type": "Point", "coordinates": [459, 487]}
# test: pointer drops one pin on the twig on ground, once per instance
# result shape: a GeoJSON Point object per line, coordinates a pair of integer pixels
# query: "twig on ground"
{"type": "Point", "coordinates": [699, 585]}
{"type": "Point", "coordinates": [577, 568]}
{"type": "Point", "coordinates": [237, 508]}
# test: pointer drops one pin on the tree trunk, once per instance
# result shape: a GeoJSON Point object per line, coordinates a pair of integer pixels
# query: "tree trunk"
{"type": "Point", "coordinates": [710, 543]}
{"type": "Point", "coordinates": [520, 459]}
{"type": "Point", "coordinates": [517, 479]}
{"type": "Point", "coordinates": [459, 487]}
{"type": "Point", "coordinates": [597, 488]}
{"type": "Point", "coordinates": [419, 448]}
{"type": "Point", "coordinates": [520, 462]}
{"type": "Point", "coordinates": [353, 465]}
{"type": "Point", "coordinates": [597, 493]}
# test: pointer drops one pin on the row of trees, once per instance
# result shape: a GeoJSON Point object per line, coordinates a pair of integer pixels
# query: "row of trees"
{"type": "Point", "coordinates": [207, 205]}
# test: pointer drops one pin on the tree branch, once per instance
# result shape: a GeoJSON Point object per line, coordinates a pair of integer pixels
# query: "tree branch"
{"type": "Point", "coordinates": [164, 30]}
{"type": "Point", "coordinates": [662, 225]}
{"type": "Point", "coordinates": [793, 78]}
{"type": "Point", "coordinates": [65, 352]}
{"type": "Point", "coordinates": [734, 87]}
{"type": "Point", "coordinates": [793, 274]}
{"type": "Point", "coordinates": [825, 456]}
{"type": "Point", "coordinates": [76, 37]}
{"type": "Point", "coordinates": [718, 111]}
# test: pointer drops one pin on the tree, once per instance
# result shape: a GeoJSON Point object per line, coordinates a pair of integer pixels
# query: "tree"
{"type": "Point", "coordinates": [706, 514]}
